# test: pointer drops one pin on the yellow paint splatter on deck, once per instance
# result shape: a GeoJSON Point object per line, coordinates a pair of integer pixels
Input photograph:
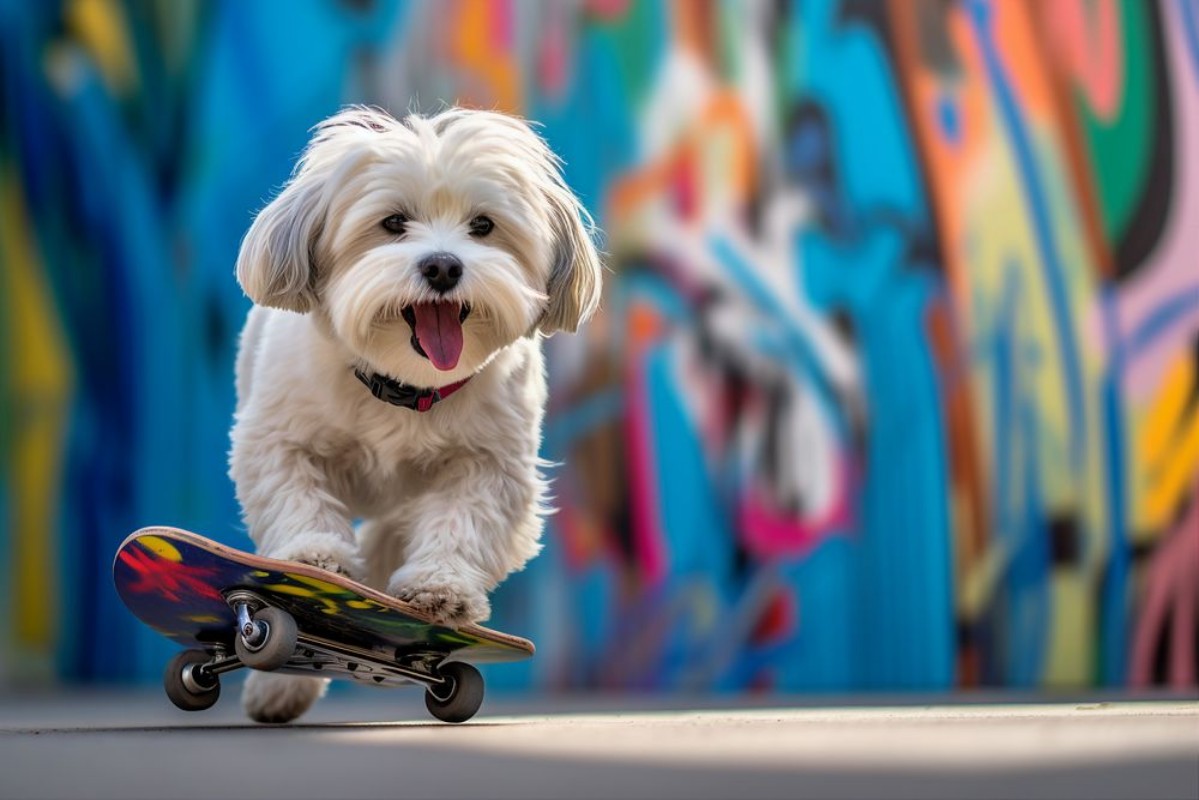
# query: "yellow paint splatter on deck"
{"type": "Point", "coordinates": [287, 588]}
{"type": "Point", "coordinates": [203, 619]}
{"type": "Point", "coordinates": [318, 584]}
{"type": "Point", "coordinates": [161, 548]}
{"type": "Point", "coordinates": [330, 607]}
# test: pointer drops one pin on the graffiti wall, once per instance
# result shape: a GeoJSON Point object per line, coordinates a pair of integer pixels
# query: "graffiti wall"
{"type": "Point", "coordinates": [896, 382]}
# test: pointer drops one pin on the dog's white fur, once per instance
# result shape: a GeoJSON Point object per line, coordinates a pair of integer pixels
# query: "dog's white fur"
{"type": "Point", "coordinates": [452, 499]}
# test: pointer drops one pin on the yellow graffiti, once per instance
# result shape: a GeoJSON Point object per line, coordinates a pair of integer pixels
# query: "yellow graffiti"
{"type": "Point", "coordinates": [101, 27]}
{"type": "Point", "coordinates": [40, 376]}
{"type": "Point", "coordinates": [1166, 449]}
{"type": "Point", "coordinates": [1071, 618]}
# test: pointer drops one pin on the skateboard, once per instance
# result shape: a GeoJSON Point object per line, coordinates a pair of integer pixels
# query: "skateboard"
{"type": "Point", "coordinates": [232, 610]}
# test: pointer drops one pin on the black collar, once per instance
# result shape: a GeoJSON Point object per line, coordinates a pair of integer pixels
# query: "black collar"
{"type": "Point", "coordinates": [389, 390]}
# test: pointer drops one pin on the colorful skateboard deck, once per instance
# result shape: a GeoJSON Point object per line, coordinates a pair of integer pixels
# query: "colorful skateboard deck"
{"type": "Point", "coordinates": [189, 589]}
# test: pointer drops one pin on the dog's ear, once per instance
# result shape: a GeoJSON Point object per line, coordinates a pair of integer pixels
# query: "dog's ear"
{"type": "Point", "coordinates": [576, 275]}
{"type": "Point", "coordinates": [275, 266]}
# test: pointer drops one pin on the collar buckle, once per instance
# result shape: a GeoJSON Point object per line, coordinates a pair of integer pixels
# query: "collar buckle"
{"type": "Point", "coordinates": [389, 390]}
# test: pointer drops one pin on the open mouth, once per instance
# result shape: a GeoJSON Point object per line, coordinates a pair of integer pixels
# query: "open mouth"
{"type": "Point", "coordinates": [437, 331]}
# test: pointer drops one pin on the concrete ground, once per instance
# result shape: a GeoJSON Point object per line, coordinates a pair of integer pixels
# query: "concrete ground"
{"type": "Point", "coordinates": [383, 744]}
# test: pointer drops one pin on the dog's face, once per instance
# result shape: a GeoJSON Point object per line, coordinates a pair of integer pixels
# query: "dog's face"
{"type": "Point", "coordinates": [425, 245]}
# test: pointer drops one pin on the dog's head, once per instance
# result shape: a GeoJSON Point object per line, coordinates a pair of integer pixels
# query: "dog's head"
{"type": "Point", "coordinates": [425, 244]}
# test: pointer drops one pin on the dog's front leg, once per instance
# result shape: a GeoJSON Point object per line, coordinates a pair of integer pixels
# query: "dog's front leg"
{"type": "Point", "coordinates": [479, 521]}
{"type": "Point", "coordinates": [290, 509]}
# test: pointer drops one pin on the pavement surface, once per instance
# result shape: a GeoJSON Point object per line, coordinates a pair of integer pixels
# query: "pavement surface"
{"type": "Point", "coordinates": [383, 744]}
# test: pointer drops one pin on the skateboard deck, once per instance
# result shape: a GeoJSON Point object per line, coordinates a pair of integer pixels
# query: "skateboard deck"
{"type": "Point", "coordinates": [189, 589]}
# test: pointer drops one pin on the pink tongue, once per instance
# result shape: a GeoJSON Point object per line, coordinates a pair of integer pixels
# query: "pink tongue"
{"type": "Point", "coordinates": [439, 332]}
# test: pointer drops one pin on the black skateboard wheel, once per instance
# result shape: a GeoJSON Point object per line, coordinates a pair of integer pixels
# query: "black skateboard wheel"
{"type": "Point", "coordinates": [187, 686]}
{"type": "Point", "coordinates": [459, 698]}
{"type": "Point", "coordinates": [276, 644]}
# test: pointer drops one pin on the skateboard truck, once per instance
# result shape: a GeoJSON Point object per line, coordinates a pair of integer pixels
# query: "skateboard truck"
{"type": "Point", "coordinates": [253, 632]}
{"type": "Point", "coordinates": [266, 636]}
{"type": "Point", "coordinates": [197, 678]}
{"type": "Point", "coordinates": [192, 678]}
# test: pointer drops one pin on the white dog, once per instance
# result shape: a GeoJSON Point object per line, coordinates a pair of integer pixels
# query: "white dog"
{"type": "Point", "coordinates": [391, 370]}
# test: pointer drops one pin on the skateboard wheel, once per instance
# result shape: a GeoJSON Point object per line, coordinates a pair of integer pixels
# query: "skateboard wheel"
{"type": "Point", "coordinates": [277, 645]}
{"type": "Point", "coordinates": [459, 697]}
{"type": "Point", "coordinates": [186, 686]}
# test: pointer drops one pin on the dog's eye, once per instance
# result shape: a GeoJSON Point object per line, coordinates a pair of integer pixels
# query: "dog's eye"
{"type": "Point", "coordinates": [481, 226]}
{"type": "Point", "coordinates": [395, 223]}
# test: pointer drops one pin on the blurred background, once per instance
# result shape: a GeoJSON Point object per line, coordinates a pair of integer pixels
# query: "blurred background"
{"type": "Point", "coordinates": [896, 383]}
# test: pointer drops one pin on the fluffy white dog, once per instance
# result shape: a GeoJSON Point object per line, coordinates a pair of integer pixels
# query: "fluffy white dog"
{"type": "Point", "coordinates": [391, 369]}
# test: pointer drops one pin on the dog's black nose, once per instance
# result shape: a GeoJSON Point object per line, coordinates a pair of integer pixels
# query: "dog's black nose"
{"type": "Point", "coordinates": [441, 271]}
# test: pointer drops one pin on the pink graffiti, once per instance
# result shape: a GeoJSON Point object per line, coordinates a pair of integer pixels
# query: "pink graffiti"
{"type": "Point", "coordinates": [502, 24]}
{"type": "Point", "coordinates": [554, 56]}
{"type": "Point", "coordinates": [770, 533]}
{"type": "Point", "coordinates": [1171, 592]}
{"type": "Point", "coordinates": [643, 496]}
{"type": "Point", "coordinates": [608, 10]}
{"type": "Point", "coordinates": [1089, 46]}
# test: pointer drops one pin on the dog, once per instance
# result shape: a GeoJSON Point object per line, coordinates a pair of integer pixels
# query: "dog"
{"type": "Point", "coordinates": [390, 370]}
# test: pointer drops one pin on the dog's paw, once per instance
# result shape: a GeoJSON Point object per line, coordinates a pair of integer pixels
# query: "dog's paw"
{"type": "Point", "coordinates": [449, 605]}
{"type": "Point", "coordinates": [327, 562]}
{"type": "Point", "coordinates": [279, 698]}
{"type": "Point", "coordinates": [326, 551]}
